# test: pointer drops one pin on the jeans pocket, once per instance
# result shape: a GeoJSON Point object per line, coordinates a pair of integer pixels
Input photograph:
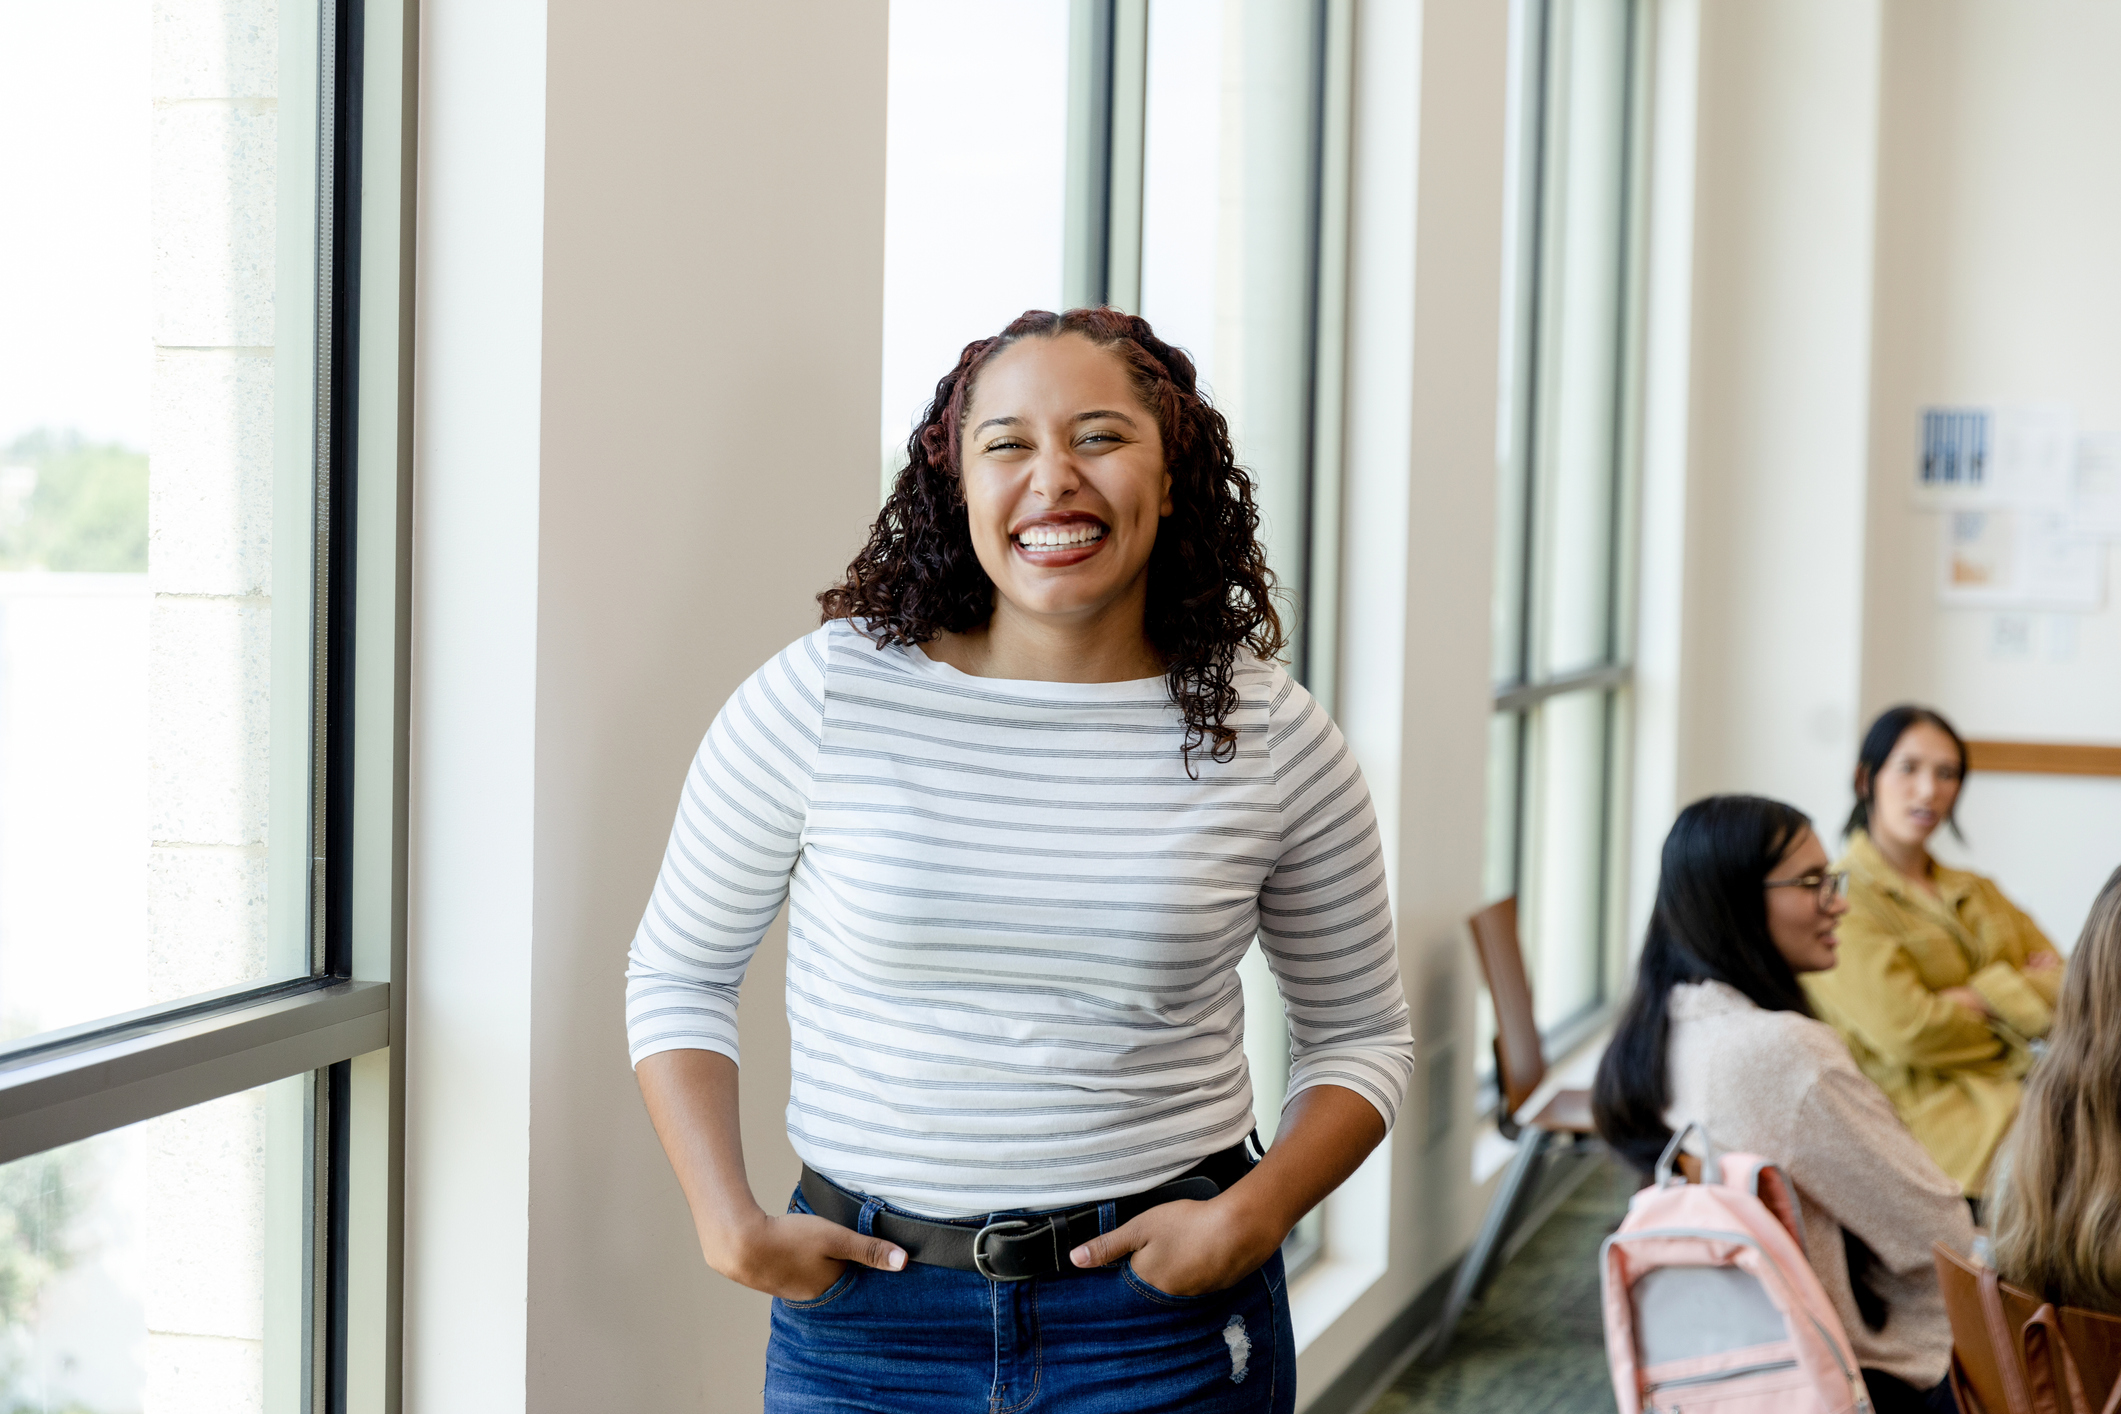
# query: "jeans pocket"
{"type": "Point", "coordinates": [829, 1295]}
{"type": "Point", "coordinates": [1171, 1298]}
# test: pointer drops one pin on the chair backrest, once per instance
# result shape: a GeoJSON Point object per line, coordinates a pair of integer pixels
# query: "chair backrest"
{"type": "Point", "coordinates": [2095, 1337]}
{"type": "Point", "coordinates": [2059, 1345]}
{"type": "Point", "coordinates": [1988, 1370]}
{"type": "Point", "coordinates": [1520, 1063]}
{"type": "Point", "coordinates": [1989, 1367]}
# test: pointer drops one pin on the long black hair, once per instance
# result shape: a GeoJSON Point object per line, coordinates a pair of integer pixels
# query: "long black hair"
{"type": "Point", "coordinates": [1878, 744]}
{"type": "Point", "coordinates": [1710, 924]}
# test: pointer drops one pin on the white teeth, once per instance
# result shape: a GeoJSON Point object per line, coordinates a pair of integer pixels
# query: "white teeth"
{"type": "Point", "coordinates": [1049, 537]}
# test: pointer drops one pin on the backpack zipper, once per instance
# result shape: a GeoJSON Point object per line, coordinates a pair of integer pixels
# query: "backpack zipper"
{"type": "Point", "coordinates": [1715, 1377]}
{"type": "Point", "coordinates": [1719, 1376]}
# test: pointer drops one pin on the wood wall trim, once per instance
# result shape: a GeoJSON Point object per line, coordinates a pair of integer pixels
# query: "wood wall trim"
{"type": "Point", "coordinates": [2045, 758]}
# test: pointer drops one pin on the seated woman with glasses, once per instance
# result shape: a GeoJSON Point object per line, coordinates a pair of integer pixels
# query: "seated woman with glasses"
{"type": "Point", "coordinates": [1718, 1033]}
{"type": "Point", "coordinates": [1943, 982]}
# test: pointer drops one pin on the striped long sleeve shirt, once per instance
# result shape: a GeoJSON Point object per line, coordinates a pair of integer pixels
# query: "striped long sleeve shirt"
{"type": "Point", "coordinates": [1014, 920]}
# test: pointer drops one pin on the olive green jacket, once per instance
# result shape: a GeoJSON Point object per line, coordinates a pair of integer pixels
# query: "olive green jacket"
{"type": "Point", "coordinates": [1952, 1074]}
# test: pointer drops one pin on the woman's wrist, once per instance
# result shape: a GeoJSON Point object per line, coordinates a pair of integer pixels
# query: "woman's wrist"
{"type": "Point", "coordinates": [1256, 1219]}
{"type": "Point", "coordinates": [729, 1233]}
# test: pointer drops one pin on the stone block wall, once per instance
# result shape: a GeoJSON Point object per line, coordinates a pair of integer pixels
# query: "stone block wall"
{"type": "Point", "coordinates": [210, 512]}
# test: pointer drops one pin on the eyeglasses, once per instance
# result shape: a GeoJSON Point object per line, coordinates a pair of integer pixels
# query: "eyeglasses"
{"type": "Point", "coordinates": [1828, 886]}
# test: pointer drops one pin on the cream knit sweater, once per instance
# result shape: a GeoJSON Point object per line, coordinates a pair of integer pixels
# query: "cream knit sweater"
{"type": "Point", "coordinates": [1784, 1086]}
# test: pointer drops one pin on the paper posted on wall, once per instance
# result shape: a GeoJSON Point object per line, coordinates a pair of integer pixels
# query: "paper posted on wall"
{"type": "Point", "coordinates": [2020, 559]}
{"type": "Point", "coordinates": [2095, 489]}
{"type": "Point", "coordinates": [2006, 457]}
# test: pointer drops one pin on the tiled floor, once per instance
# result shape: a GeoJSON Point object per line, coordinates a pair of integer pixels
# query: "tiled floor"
{"type": "Point", "coordinates": [1535, 1344]}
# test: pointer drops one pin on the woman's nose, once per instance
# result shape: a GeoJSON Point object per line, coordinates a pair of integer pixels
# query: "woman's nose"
{"type": "Point", "coordinates": [1054, 474]}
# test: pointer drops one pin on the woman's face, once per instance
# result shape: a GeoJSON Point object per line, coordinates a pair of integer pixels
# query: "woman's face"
{"type": "Point", "coordinates": [1915, 789]}
{"type": "Point", "coordinates": [1802, 926]}
{"type": "Point", "coordinates": [1064, 478]}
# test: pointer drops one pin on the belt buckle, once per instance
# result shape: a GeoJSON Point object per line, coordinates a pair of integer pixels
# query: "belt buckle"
{"type": "Point", "coordinates": [979, 1255]}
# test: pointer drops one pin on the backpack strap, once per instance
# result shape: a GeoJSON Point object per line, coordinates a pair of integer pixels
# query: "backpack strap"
{"type": "Point", "coordinates": [1670, 1156]}
{"type": "Point", "coordinates": [1749, 1173]}
{"type": "Point", "coordinates": [2010, 1367]}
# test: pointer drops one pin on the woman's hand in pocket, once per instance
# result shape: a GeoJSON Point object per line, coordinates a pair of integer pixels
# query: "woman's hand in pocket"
{"type": "Point", "coordinates": [1190, 1249]}
{"type": "Point", "coordinates": [796, 1257]}
{"type": "Point", "coordinates": [1187, 1248]}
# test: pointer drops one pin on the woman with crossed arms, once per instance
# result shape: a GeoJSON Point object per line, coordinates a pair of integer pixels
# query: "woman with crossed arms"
{"type": "Point", "coordinates": [1030, 793]}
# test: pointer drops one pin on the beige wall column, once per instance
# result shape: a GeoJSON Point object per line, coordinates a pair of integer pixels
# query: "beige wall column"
{"type": "Point", "coordinates": [712, 371]}
{"type": "Point", "coordinates": [650, 353]}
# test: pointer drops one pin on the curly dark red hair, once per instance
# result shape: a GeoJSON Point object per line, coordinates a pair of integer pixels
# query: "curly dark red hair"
{"type": "Point", "coordinates": [1210, 591]}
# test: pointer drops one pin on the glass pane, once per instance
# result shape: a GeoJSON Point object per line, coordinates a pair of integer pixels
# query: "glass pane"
{"type": "Point", "coordinates": [159, 1267]}
{"type": "Point", "coordinates": [1228, 214]}
{"type": "Point", "coordinates": [975, 191]}
{"type": "Point", "coordinates": [156, 388]}
{"type": "Point", "coordinates": [1228, 208]}
{"type": "Point", "coordinates": [1500, 852]}
{"type": "Point", "coordinates": [1266, 1042]}
{"type": "Point", "coordinates": [1579, 335]}
{"type": "Point", "coordinates": [1518, 389]}
{"type": "Point", "coordinates": [1505, 763]}
{"type": "Point", "coordinates": [1561, 904]}
{"type": "Point", "coordinates": [1267, 1057]}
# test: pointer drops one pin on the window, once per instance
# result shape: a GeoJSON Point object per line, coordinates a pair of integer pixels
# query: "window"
{"type": "Point", "coordinates": [1564, 509]}
{"type": "Point", "coordinates": [974, 212]}
{"type": "Point", "coordinates": [189, 1023]}
{"type": "Point", "coordinates": [161, 1265]}
{"type": "Point", "coordinates": [1184, 159]}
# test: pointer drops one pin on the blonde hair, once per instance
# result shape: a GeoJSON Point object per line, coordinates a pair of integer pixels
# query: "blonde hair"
{"type": "Point", "coordinates": [2057, 1205]}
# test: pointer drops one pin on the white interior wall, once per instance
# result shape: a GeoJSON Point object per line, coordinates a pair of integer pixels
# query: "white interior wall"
{"type": "Point", "coordinates": [1869, 207]}
{"type": "Point", "coordinates": [1999, 195]}
{"type": "Point", "coordinates": [1785, 106]}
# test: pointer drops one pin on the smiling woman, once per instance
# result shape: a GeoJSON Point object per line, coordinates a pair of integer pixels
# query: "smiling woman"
{"type": "Point", "coordinates": [1031, 793]}
{"type": "Point", "coordinates": [1183, 600]}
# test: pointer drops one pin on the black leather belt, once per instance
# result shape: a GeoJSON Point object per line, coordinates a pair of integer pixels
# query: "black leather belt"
{"type": "Point", "coordinates": [1018, 1248]}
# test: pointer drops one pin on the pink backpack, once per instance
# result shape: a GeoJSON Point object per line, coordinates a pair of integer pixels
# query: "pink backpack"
{"type": "Point", "coordinates": [1710, 1305]}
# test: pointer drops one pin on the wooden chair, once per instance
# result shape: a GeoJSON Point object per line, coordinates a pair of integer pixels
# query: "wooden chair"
{"type": "Point", "coordinates": [1520, 1066]}
{"type": "Point", "coordinates": [2013, 1353]}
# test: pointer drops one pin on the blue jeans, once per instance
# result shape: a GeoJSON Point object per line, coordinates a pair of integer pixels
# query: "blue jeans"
{"type": "Point", "coordinates": [935, 1340]}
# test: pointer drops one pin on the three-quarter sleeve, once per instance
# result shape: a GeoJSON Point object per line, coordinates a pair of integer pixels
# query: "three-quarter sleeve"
{"type": "Point", "coordinates": [1325, 922]}
{"type": "Point", "coordinates": [1854, 1155]}
{"type": "Point", "coordinates": [725, 871]}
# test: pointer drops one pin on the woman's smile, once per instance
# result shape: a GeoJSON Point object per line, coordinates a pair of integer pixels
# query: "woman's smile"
{"type": "Point", "coordinates": [1058, 540]}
